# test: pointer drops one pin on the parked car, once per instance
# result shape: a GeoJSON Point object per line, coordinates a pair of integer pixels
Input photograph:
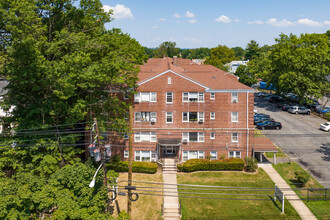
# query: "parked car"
{"type": "Point", "coordinates": [286, 106]}
{"type": "Point", "coordinates": [263, 94]}
{"type": "Point", "coordinates": [274, 99]}
{"type": "Point", "coordinates": [325, 126]}
{"type": "Point", "coordinates": [261, 115]}
{"type": "Point", "coordinates": [258, 120]}
{"type": "Point", "coordinates": [299, 110]}
{"type": "Point", "coordinates": [269, 125]}
{"type": "Point", "coordinates": [322, 110]}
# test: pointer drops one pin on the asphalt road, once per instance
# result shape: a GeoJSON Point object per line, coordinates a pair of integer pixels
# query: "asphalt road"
{"type": "Point", "coordinates": [301, 139]}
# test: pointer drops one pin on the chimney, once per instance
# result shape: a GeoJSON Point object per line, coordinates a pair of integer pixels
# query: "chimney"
{"type": "Point", "coordinates": [175, 60]}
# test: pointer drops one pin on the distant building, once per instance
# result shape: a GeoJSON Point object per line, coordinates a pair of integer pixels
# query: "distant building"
{"type": "Point", "coordinates": [233, 65]}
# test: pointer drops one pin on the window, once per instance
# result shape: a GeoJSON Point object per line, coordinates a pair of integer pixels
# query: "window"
{"type": "Point", "coordinates": [234, 137]}
{"type": "Point", "coordinates": [193, 96]}
{"type": "Point", "coordinates": [234, 97]}
{"type": "Point", "coordinates": [169, 117]}
{"type": "Point", "coordinates": [212, 95]}
{"type": "Point", "coordinates": [234, 117]}
{"type": "Point", "coordinates": [234, 154]}
{"type": "Point", "coordinates": [126, 136]}
{"type": "Point", "coordinates": [145, 97]}
{"type": "Point", "coordinates": [169, 80]}
{"type": "Point", "coordinates": [187, 155]}
{"type": "Point", "coordinates": [169, 97]}
{"type": "Point", "coordinates": [126, 95]}
{"type": "Point", "coordinates": [193, 136]}
{"type": "Point", "coordinates": [126, 154]}
{"type": "Point", "coordinates": [192, 116]}
{"type": "Point", "coordinates": [145, 116]}
{"type": "Point", "coordinates": [145, 137]}
{"type": "Point", "coordinates": [145, 155]}
{"type": "Point", "coordinates": [212, 115]}
{"type": "Point", "coordinates": [212, 135]}
{"type": "Point", "coordinates": [213, 155]}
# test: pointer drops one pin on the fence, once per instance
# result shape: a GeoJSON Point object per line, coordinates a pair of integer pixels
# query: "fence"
{"type": "Point", "coordinates": [311, 194]}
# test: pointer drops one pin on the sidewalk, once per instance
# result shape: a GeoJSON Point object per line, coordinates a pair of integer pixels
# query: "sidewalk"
{"type": "Point", "coordinates": [171, 199]}
{"type": "Point", "coordinates": [289, 194]}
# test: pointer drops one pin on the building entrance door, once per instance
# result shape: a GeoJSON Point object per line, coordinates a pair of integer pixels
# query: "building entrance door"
{"type": "Point", "coordinates": [169, 150]}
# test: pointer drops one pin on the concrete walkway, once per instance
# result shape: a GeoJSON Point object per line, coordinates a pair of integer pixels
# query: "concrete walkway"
{"type": "Point", "coordinates": [289, 194]}
{"type": "Point", "coordinates": [171, 199]}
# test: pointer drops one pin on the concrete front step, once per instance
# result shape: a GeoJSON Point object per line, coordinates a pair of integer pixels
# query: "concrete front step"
{"type": "Point", "coordinates": [171, 215]}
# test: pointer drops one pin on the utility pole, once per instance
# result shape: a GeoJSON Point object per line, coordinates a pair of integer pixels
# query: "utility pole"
{"type": "Point", "coordinates": [102, 151]}
{"type": "Point", "coordinates": [130, 160]}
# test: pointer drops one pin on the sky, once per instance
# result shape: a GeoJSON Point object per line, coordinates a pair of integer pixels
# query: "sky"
{"type": "Point", "coordinates": [209, 23]}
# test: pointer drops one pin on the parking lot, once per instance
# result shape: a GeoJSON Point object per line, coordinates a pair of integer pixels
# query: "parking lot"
{"type": "Point", "coordinates": [301, 139]}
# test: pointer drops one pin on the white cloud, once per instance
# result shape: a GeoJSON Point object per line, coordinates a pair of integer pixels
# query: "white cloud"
{"type": "Point", "coordinates": [309, 22]}
{"type": "Point", "coordinates": [250, 22]}
{"type": "Point", "coordinates": [162, 19]}
{"type": "Point", "coordinates": [176, 15]}
{"type": "Point", "coordinates": [193, 21]}
{"type": "Point", "coordinates": [193, 40]}
{"type": "Point", "coordinates": [327, 23]}
{"type": "Point", "coordinates": [223, 19]}
{"type": "Point", "coordinates": [155, 27]}
{"type": "Point", "coordinates": [284, 23]}
{"type": "Point", "coordinates": [119, 11]}
{"type": "Point", "coordinates": [258, 22]}
{"type": "Point", "coordinates": [157, 39]}
{"type": "Point", "coordinates": [236, 20]}
{"type": "Point", "coordinates": [188, 14]}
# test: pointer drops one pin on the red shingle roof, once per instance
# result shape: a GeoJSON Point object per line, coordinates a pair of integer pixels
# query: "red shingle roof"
{"type": "Point", "coordinates": [210, 76]}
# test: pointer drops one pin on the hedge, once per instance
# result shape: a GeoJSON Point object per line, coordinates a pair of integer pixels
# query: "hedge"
{"type": "Point", "coordinates": [204, 164]}
{"type": "Point", "coordinates": [138, 167]}
{"type": "Point", "coordinates": [327, 116]}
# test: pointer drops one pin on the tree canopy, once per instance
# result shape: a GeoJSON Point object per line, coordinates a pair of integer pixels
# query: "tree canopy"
{"type": "Point", "coordinates": [167, 49]}
{"type": "Point", "coordinates": [220, 56]}
{"type": "Point", "coordinates": [300, 65]}
{"type": "Point", "coordinates": [252, 50]}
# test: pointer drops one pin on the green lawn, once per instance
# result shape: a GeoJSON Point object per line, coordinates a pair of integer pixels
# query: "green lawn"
{"type": "Point", "coordinates": [279, 154]}
{"type": "Point", "coordinates": [321, 209]}
{"type": "Point", "coordinates": [259, 206]}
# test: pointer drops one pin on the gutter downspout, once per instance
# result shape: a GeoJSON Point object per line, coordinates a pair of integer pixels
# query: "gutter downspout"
{"type": "Point", "coordinates": [247, 124]}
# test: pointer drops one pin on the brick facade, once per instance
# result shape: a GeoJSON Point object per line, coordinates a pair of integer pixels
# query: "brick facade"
{"type": "Point", "coordinates": [178, 80]}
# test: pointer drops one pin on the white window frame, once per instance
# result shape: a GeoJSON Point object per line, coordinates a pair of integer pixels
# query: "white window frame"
{"type": "Point", "coordinates": [200, 116]}
{"type": "Point", "coordinates": [234, 97]}
{"type": "Point", "coordinates": [138, 116]}
{"type": "Point", "coordinates": [234, 117]}
{"type": "Point", "coordinates": [152, 137]}
{"type": "Point", "coordinates": [126, 154]}
{"type": "Point", "coordinates": [187, 95]}
{"type": "Point", "coordinates": [200, 136]}
{"type": "Point", "coordinates": [169, 80]}
{"type": "Point", "coordinates": [212, 135]}
{"type": "Point", "coordinates": [235, 154]}
{"type": "Point", "coordinates": [212, 95]}
{"type": "Point", "coordinates": [212, 115]}
{"type": "Point", "coordinates": [212, 157]}
{"type": "Point", "coordinates": [199, 154]}
{"type": "Point", "coordinates": [171, 96]}
{"type": "Point", "coordinates": [152, 96]}
{"type": "Point", "coordinates": [234, 137]}
{"type": "Point", "coordinates": [171, 116]}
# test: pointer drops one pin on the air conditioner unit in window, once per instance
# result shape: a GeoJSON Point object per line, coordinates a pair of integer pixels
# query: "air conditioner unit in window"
{"type": "Point", "coordinates": [184, 140]}
{"type": "Point", "coordinates": [201, 121]}
{"type": "Point", "coordinates": [235, 101]}
{"type": "Point", "coordinates": [153, 159]}
{"type": "Point", "coordinates": [153, 120]}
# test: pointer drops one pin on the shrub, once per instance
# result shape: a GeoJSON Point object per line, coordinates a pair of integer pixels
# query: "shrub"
{"type": "Point", "coordinates": [251, 164]}
{"type": "Point", "coordinates": [137, 167]}
{"type": "Point", "coordinates": [204, 164]}
{"type": "Point", "coordinates": [302, 177]}
{"type": "Point", "coordinates": [327, 116]}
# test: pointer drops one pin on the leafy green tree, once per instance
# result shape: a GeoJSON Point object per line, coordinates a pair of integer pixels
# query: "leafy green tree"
{"type": "Point", "coordinates": [62, 64]}
{"type": "Point", "coordinates": [300, 65]}
{"type": "Point", "coordinates": [245, 76]}
{"type": "Point", "coordinates": [220, 56]}
{"type": "Point", "coordinates": [149, 51]}
{"type": "Point", "coordinates": [252, 50]}
{"type": "Point", "coordinates": [167, 49]}
{"type": "Point", "coordinates": [239, 52]}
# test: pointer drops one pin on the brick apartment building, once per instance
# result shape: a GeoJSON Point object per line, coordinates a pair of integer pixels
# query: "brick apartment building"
{"type": "Point", "coordinates": [185, 110]}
